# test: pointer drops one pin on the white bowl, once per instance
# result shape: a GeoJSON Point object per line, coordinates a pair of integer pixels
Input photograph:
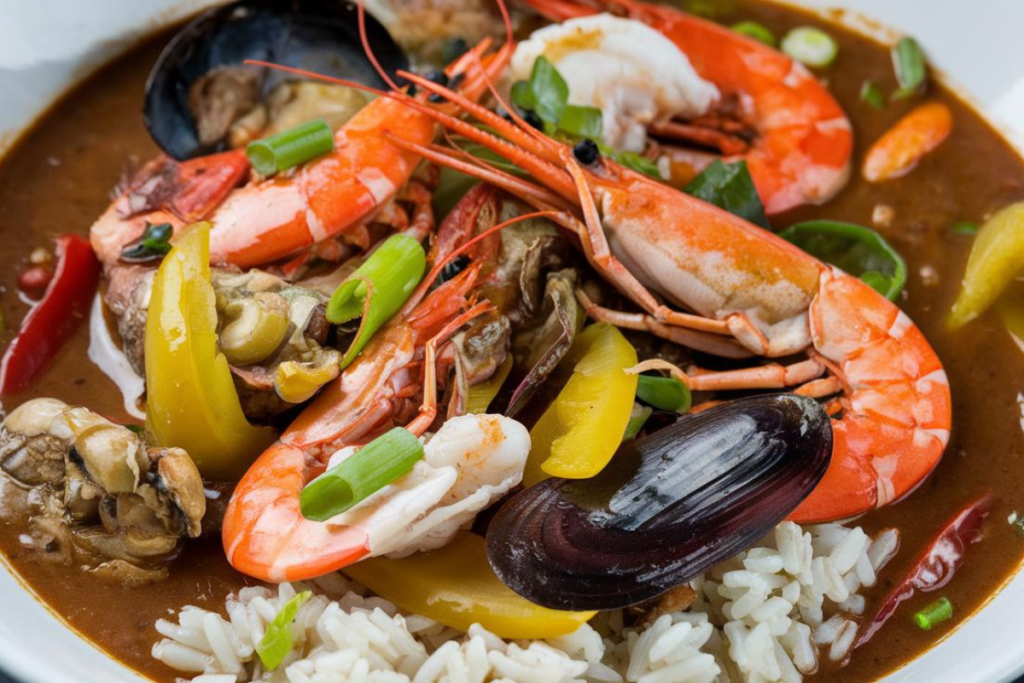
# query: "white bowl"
{"type": "Point", "coordinates": [45, 45]}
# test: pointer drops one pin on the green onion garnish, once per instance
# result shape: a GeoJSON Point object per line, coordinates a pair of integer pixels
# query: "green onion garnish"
{"type": "Point", "coordinates": [664, 393]}
{"type": "Point", "coordinates": [359, 476]}
{"type": "Point", "coordinates": [291, 147]}
{"type": "Point", "coordinates": [872, 94]}
{"type": "Point", "coordinates": [857, 250]}
{"type": "Point", "coordinates": [154, 244]}
{"type": "Point", "coordinates": [378, 289]}
{"type": "Point", "coordinates": [810, 46]}
{"type": "Point", "coordinates": [637, 418]}
{"type": "Point", "coordinates": [277, 641]}
{"type": "Point", "coordinates": [1016, 520]}
{"type": "Point", "coordinates": [758, 32]}
{"type": "Point", "coordinates": [964, 228]}
{"type": "Point", "coordinates": [909, 64]}
{"type": "Point", "coordinates": [934, 614]}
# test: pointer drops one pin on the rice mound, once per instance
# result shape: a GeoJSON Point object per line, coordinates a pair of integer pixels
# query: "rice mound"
{"type": "Point", "coordinates": [768, 614]}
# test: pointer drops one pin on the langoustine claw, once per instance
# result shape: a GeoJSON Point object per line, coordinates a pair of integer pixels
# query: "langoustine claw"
{"type": "Point", "coordinates": [97, 494]}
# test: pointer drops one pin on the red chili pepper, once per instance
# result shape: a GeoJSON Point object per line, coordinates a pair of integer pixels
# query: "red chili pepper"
{"type": "Point", "coordinates": [50, 322]}
{"type": "Point", "coordinates": [937, 564]}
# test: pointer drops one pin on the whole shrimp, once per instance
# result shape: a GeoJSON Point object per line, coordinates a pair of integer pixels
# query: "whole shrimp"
{"type": "Point", "coordinates": [363, 179]}
{"type": "Point", "coordinates": [745, 291]}
{"type": "Point", "coordinates": [265, 534]}
{"type": "Point", "coordinates": [803, 141]}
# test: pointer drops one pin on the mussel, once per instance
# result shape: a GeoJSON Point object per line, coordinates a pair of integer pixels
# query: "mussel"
{"type": "Point", "coordinates": [667, 508]}
{"type": "Point", "coordinates": [317, 35]}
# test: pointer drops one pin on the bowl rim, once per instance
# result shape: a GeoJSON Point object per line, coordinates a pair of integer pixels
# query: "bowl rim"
{"type": "Point", "coordinates": [24, 665]}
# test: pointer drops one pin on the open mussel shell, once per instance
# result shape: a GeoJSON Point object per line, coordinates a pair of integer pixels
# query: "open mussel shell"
{"type": "Point", "coordinates": [668, 507]}
{"type": "Point", "coordinates": [317, 35]}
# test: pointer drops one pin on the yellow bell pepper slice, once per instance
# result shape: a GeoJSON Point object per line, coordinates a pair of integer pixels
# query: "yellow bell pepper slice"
{"type": "Point", "coordinates": [480, 396]}
{"type": "Point", "coordinates": [997, 257]}
{"type": "Point", "coordinates": [191, 398]}
{"type": "Point", "coordinates": [580, 432]}
{"type": "Point", "coordinates": [456, 586]}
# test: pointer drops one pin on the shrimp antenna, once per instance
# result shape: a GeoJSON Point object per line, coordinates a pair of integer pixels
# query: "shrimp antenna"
{"type": "Point", "coordinates": [506, 18]}
{"type": "Point", "coordinates": [368, 49]}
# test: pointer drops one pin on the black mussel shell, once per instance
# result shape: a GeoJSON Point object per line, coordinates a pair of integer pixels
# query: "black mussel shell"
{"type": "Point", "coordinates": [318, 35]}
{"type": "Point", "coordinates": [668, 507]}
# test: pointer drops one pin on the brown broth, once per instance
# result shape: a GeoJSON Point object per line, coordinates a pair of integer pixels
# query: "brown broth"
{"type": "Point", "coordinates": [60, 176]}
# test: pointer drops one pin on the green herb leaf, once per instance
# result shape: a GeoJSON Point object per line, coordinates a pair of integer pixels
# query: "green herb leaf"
{"type": "Point", "coordinates": [872, 94]}
{"type": "Point", "coordinates": [664, 393]}
{"type": "Point", "coordinates": [758, 32]}
{"type": "Point", "coordinates": [810, 46]}
{"type": "Point", "coordinates": [730, 187]}
{"type": "Point", "coordinates": [637, 418]}
{"type": "Point", "coordinates": [362, 474]}
{"type": "Point", "coordinates": [291, 147]}
{"type": "Point", "coordinates": [584, 122]}
{"type": "Point", "coordinates": [523, 97]}
{"type": "Point", "coordinates": [137, 429]}
{"type": "Point", "coordinates": [152, 246]}
{"type": "Point", "coordinates": [934, 614]}
{"type": "Point", "coordinates": [909, 63]}
{"type": "Point", "coordinates": [377, 289]}
{"type": "Point", "coordinates": [277, 640]}
{"type": "Point", "coordinates": [964, 228]}
{"type": "Point", "coordinates": [634, 162]}
{"type": "Point", "coordinates": [857, 250]}
{"type": "Point", "coordinates": [550, 90]}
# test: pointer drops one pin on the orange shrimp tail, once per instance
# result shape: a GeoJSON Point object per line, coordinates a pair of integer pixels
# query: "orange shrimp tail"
{"type": "Point", "coordinates": [804, 140]}
{"type": "Point", "coordinates": [897, 411]}
{"type": "Point", "coordinates": [265, 535]}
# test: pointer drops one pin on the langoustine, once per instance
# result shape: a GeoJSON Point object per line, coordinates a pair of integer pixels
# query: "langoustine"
{"type": "Point", "coordinates": [750, 292]}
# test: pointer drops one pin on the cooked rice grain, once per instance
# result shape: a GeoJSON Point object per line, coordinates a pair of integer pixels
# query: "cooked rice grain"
{"type": "Point", "coordinates": [765, 615]}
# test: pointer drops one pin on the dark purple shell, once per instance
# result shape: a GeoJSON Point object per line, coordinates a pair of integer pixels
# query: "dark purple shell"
{"type": "Point", "coordinates": [321, 36]}
{"type": "Point", "coordinates": [668, 507]}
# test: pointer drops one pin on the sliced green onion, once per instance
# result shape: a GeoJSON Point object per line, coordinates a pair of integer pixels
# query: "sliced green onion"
{"type": "Point", "coordinates": [584, 122]}
{"type": "Point", "coordinates": [378, 289]}
{"type": "Point", "coordinates": [277, 640]}
{"type": "Point", "coordinates": [664, 393]}
{"type": "Point", "coordinates": [872, 94]}
{"type": "Point", "coordinates": [362, 474]}
{"type": "Point", "coordinates": [810, 46]}
{"type": "Point", "coordinates": [964, 228]}
{"type": "Point", "coordinates": [909, 63]}
{"type": "Point", "coordinates": [1016, 520]}
{"type": "Point", "coordinates": [634, 162]}
{"type": "Point", "coordinates": [637, 418]}
{"type": "Point", "coordinates": [857, 250]}
{"type": "Point", "coordinates": [154, 244]}
{"type": "Point", "coordinates": [758, 32]}
{"type": "Point", "coordinates": [934, 614]}
{"type": "Point", "coordinates": [290, 147]}
{"type": "Point", "coordinates": [730, 187]}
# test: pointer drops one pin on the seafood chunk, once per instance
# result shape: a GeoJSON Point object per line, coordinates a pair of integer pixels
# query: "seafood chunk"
{"type": "Point", "coordinates": [468, 464]}
{"type": "Point", "coordinates": [628, 70]}
{"type": "Point", "coordinates": [98, 494]}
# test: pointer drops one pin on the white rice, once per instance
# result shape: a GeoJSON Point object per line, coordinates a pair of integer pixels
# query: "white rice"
{"type": "Point", "coordinates": [769, 614]}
